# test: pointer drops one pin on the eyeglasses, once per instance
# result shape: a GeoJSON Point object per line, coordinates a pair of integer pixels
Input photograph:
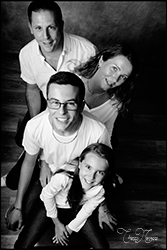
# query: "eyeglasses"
{"type": "Point", "coordinates": [55, 104]}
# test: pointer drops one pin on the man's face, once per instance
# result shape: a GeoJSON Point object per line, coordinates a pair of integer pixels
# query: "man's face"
{"type": "Point", "coordinates": [46, 30]}
{"type": "Point", "coordinates": [64, 122]}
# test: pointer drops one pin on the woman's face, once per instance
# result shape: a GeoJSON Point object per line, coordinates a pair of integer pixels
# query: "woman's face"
{"type": "Point", "coordinates": [113, 72]}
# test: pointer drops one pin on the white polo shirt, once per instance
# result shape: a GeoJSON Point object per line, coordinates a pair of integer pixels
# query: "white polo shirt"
{"type": "Point", "coordinates": [35, 69]}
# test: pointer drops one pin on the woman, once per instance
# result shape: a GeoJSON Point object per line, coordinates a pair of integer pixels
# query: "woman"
{"type": "Point", "coordinates": [70, 198]}
{"type": "Point", "coordinates": [109, 79]}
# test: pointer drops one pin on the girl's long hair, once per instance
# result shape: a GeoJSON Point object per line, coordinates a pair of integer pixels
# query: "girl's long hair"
{"type": "Point", "coordinates": [76, 192]}
{"type": "Point", "coordinates": [123, 92]}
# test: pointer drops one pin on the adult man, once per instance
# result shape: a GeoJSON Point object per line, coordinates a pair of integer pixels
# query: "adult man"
{"type": "Point", "coordinates": [62, 131]}
{"type": "Point", "coordinates": [50, 51]}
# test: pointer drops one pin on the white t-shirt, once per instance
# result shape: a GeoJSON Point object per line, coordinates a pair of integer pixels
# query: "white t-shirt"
{"type": "Point", "coordinates": [35, 69]}
{"type": "Point", "coordinates": [54, 195]}
{"type": "Point", "coordinates": [58, 150]}
{"type": "Point", "coordinates": [106, 113]}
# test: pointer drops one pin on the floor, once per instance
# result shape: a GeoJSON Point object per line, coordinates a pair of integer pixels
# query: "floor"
{"type": "Point", "coordinates": [140, 205]}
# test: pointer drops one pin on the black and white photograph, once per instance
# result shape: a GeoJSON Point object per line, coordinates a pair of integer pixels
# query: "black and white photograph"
{"type": "Point", "coordinates": [83, 124]}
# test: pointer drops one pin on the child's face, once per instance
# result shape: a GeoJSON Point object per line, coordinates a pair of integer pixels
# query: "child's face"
{"type": "Point", "coordinates": [93, 169]}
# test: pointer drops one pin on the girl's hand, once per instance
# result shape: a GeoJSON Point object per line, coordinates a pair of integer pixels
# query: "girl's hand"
{"type": "Point", "coordinates": [61, 233]}
{"type": "Point", "coordinates": [68, 230]}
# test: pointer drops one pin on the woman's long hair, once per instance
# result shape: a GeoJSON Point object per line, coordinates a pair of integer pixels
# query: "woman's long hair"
{"type": "Point", "coordinates": [76, 192]}
{"type": "Point", "coordinates": [123, 92]}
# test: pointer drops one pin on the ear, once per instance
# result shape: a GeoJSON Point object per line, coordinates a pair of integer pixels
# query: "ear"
{"type": "Point", "coordinates": [101, 61]}
{"type": "Point", "coordinates": [82, 106]}
{"type": "Point", "coordinates": [30, 27]}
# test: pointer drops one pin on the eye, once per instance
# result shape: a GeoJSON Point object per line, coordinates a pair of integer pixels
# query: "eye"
{"type": "Point", "coordinates": [122, 78]}
{"type": "Point", "coordinates": [114, 68]}
{"type": "Point", "coordinates": [54, 102]}
{"type": "Point", "coordinates": [38, 28]}
{"type": "Point", "coordinates": [52, 27]}
{"type": "Point", "coordinates": [101, 173]}
{"type": "Point", "coordinates": [71, 104]}
{"type": "Point", "coordinates": [87, 166]}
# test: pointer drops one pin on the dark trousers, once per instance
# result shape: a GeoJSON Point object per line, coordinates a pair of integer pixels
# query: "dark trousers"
{"type": "Point", "coordinates": [36, 224]}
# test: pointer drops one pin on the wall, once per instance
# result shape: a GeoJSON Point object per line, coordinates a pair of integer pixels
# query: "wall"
{"type": "Point", "coordinates": [142, 24]}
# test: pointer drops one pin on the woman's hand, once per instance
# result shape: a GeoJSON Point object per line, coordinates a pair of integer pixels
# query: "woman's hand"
{"type": "Point", "coordinates": [13, 218]}
{"type": "Point", "coordinates": [45, 173]}
{"type": "Point", "coordinates": [106, 217]}
{"type": "Point", "coordinates": [61, 233]}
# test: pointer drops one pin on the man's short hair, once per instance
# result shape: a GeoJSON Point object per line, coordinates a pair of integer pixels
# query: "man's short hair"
{"type": "Point", "coordinates": [65, 78]}
{"type": "Point", "coordinates": [36, 6]}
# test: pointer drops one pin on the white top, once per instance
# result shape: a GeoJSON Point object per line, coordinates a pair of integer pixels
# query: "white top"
{"type": "Point", "coordinates": [35, 69]}
{"type": "Point", "coordinates": [106, 113]}
{"type": "Point", "coordinates": [56, 152]}
{"type": "Point", "coordinates": [54, 195]}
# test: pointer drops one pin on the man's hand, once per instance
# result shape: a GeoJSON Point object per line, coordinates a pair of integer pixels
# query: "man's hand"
{"type": "Point", "coordinates": [45, 173]}
{"type": "Point", "coordinates": [13, 218]}
{"type": "Point", "coordinates": [106, 217]}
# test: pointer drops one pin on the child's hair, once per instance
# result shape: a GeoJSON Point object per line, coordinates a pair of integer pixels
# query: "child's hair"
{"type": "Point", "coordinates": [76, 192]}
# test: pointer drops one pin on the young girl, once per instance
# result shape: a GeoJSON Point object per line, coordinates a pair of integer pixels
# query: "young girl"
{"type": "Point", "coordinates": [71, 198]}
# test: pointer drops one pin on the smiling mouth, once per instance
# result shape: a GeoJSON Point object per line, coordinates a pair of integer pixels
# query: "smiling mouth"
{"type": "Point", "coordinates": [88, 182]}
{"type": "Point", "coordinates": [62, 120]}
{"type": "Point", "coordinates": [48, 43]}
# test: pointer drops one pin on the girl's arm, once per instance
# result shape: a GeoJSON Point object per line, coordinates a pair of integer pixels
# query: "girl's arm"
{"type": "Point", "coordinates": [57, 183]}
{"type": "Point", "coordinates": [86, 210]}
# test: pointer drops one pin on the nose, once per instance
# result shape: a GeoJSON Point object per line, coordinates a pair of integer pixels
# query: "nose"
{"type": "Point", "coordinates": [116, 76]}
{"type": "Point", "coordinates": [62, 109]}
{"type": "Point", "coordinates": [92, 176]}
{"type": "Point", "coordinates": [46, 34]}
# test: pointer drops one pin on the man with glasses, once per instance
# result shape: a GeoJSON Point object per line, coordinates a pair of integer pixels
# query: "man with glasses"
{"type": "Point", "coordinates": [52, 50]}
{"type": "Point", "coordinates": [62, 131]}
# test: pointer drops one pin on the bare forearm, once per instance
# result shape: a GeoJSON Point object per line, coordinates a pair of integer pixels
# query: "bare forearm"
{"type": "Point", "coordinates": [33, 99]}
{"type": "Point", "coordinates": [24, 181]}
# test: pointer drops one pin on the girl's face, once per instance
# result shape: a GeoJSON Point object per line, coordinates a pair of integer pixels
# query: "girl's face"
{"type": "Point", "coordinates": [113, 72]}
{"type": "Point", "coordinates": [92, 170]}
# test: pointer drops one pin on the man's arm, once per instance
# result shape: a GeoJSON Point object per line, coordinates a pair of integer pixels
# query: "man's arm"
{"type": "Point", "coordinates": [14, 220]}
{"type": "Point", "coordinates": [33, 99]}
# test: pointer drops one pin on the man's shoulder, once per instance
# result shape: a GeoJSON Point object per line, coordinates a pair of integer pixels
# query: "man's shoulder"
{"type": "Point", "coordinates": [38, 120]}
{"type": "Point", "coordinates": [92, 119]}
{"type": "Point", "coordinates": [29, 47]}
{"type": "Point", "coordinates": [81, 40]}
